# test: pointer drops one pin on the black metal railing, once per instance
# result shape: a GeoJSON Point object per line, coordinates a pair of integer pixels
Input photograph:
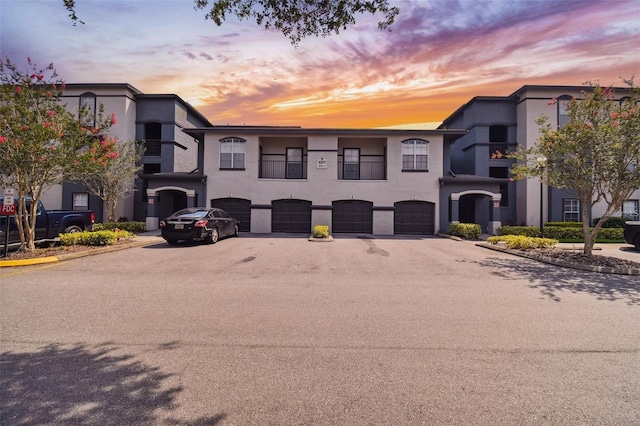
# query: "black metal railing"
{"type": "Point", "coordinates": [152, 147]}
{"type": "Point", "coordinates": [368, 168]}
{"type": "Point", "coordinates": [498, 149]}
{"type": "Point", "coordinates": [281, 169]}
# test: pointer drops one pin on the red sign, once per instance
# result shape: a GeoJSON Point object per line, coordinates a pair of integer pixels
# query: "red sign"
{"type": "Point", "coordinates": [8, 210]}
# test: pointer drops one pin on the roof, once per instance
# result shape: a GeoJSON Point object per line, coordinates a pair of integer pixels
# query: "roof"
{"type": "Point", "coordinates": [300, 131]}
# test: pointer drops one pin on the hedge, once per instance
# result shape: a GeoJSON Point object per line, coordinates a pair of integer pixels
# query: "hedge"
{"type": "Point", "coordinates": [95, 238]}
{"type": "Point", "coordinates": [563, 224]}
{"type": "Point", "coordinates": [563, 233]}
{"type": "Point", "coordinates": [135, 227]}
{"type": "Point", "coordinates": [521, 242]}
{"type": "Point", "coordinates": [527, 231]}
{"type": "Point", "coordinates": [612, 222]}
{"type": "Point", "coordinates": [468, 231]}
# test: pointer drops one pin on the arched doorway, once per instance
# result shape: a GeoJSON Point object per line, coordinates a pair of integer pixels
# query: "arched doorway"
{"type": "Point", "coordinates": [477, 206]}
{"type": "Point", "coordinates": [170, 201]}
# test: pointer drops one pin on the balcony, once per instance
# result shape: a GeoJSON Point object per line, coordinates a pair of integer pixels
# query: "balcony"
{"type": "Point", "coordinates": [152, 147]}
{"type": "Point", "coordinates": [370, 167]}
{"type": "Point", "coordinates": [282, 169]}
{"type": "Point", "coordinates": [498, 149]}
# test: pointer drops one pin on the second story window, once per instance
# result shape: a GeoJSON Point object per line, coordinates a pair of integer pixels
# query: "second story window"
{"type": "Point", "coordinates": [563, 114]}
{"type": "Point", "coordinates": [152, 139]}
{"type": "Point", "coordinates": [415, 155]}
{"type": "Point", "coordinates": [88, 109]}
{"type": "Point", "coordinates": [232, 151]}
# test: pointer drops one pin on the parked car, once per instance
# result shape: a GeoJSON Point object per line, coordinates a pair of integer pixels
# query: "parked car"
{"type": "Point", "coordinates": [198, 224]}
{"type": "Point", "coordinates": [632, 233]}
{"type": "Point", "coordinates": [49, 223]}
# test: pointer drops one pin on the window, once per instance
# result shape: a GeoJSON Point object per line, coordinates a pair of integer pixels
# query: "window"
{"type": "Point", "coordinates": [294, 163]}
{"type": "Point", "coordinates": [80, 201]}
{"type": "Point", "coordinates": [498, 141]}
{"type": "Point", "coordinates": [351, 163]}
{"type": "Point", "coordinates": [630, 210]}
{"type": "Point", "coordinates": [571, 210]}
{"type": "Point", "coordinates": [88, 109]}
{"type": "Point", "coordinates": [232, 151]}
{"type": "Point", "coordinates": [152, 138]}
{"type": "Point", "coordinates": [415, 155]}
{"type": "Point", "coordinates": [151, 168]}
{"type": "Point", "coordinates": [563, 114]}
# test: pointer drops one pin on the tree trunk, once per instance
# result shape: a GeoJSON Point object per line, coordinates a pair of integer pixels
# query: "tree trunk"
{"type": "Point", "coordinates": [589, 235]}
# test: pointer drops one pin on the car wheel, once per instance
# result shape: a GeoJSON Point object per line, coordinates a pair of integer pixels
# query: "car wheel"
{"type": "Point", "coordinates": [172, 242]}
{"type": "Point", "coordinates": [72, 229]}
{"type": "Point", "coordinates": [235, 231]}
{"type": "Point", "coordinates": [213, 236]}
{"type": "Point", "coordinates": [637, 242]}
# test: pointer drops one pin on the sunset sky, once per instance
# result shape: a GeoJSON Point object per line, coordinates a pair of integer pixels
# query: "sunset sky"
{"type": "Point", "coordinates": [438, 55]}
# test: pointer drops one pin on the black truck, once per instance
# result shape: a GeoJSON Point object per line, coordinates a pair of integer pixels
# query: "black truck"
{"type": "Point", "coordinates": [632, 233]}
{"type": "Point", "coordinates": [49, 224]}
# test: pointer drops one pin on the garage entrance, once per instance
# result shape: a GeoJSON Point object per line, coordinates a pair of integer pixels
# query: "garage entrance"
{"type": "Point", "coordinates": [238, 208]}
{"type": "Point", "coordinates": [413, 218]}
{"type": "Point", "coordinates": [292, 216]}
{"type": "Point", "coordinates": [352, 216]}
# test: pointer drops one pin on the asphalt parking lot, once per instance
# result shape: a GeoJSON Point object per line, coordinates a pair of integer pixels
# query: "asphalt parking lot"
{"type": "Point", "coordinates": [280, 330]}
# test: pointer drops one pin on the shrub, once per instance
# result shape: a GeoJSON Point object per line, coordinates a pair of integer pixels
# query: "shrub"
{"type": "Point", "coordinates": [521, 242]}
{"type": "Point", "coordinates": [320, 231]}
{"type": "Point", "coordinates": [564, 224]}
{"type": "Point", "coordinates": [134, 227]}
{"type": "Point", "coordinates": [612, 222]}
{"type": "Point", "coordinates": [573, 233]}
{"type": "Point", "coordinates": [95, 238]}
{"type": "Point", "coordinates": [468, 231]}
{"type": "Point", "coordinates": [527, 231]}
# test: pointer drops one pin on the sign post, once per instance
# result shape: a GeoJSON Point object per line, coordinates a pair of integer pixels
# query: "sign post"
{"type": "Point", "coordinates": [8, 210]}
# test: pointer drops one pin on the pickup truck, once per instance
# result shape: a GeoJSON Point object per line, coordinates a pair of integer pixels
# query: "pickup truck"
{"type": "Point", "coordinates": [632, 233]}
{"type": "Point", "coordinates": [49, 224]}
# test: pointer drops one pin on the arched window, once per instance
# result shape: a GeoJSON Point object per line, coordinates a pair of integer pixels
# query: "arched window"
{"type": "Point", "coordinates": [563, 114]}
{"type": "Point", "coordinates": [415, 155]}
{"type": "Point", "coordinates": [232, 152]}
{"type": "Point", "coordinates": [88, 109]}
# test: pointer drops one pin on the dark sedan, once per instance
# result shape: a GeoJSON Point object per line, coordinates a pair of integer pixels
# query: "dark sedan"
{"type": "Point", "coordinates": [198, 224]}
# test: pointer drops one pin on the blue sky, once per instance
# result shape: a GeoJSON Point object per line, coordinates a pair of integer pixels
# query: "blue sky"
{"type": "Point", "coordinates": [438, 55]}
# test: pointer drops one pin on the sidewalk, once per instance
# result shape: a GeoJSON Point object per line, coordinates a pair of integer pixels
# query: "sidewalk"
{"type": "Point", "coordinates": [141, 240]}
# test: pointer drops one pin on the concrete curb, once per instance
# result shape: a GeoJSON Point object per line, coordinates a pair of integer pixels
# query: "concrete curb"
{"type": "Point", "coordinates": [601, 269]}
{"type": "Point", "coordinates": [68, 256]}
{"type": "Point", "coordinates": [321, 240]}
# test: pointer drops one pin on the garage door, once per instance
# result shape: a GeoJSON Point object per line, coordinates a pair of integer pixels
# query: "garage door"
{"type": "Point", "coordinates": [293, 216]}
{"type": "Point", "coordinates": [352, 216]}
{"type": "Point", "coordinates": [413, 218]}
{"type": "Point", "coordinates": [238, 208]}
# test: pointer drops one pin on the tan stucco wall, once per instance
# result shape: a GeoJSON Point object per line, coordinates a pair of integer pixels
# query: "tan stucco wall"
{"type": "Point", "coordinates": [322, 186]}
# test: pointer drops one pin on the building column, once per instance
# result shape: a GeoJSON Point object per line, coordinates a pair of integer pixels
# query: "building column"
{"type": "Point", "coordinates": [455, 208]}
{"type": "Point", "coordinates": [494, 217]}
{"type": "Point", "coordinates": [152, 221]}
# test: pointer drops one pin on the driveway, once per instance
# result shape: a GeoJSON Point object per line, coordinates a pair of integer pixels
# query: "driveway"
{"type": "Point", "coordinates": [279, 330]}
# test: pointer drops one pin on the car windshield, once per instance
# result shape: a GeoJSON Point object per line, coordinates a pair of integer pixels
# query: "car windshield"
{"type": "Point", "coordinates": [188, 214]}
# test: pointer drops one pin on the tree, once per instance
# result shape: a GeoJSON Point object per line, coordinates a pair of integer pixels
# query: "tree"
{"type": "Point", "coordinates": [41, 142]}
{"type": "Point", "coordinates": [596, 155]}
{"type": "Point", "coordinates": [116, 178]}
{"type": "Point", "coordinates": [295, 19]}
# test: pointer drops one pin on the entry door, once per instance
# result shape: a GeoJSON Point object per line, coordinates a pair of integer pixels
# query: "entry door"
{"type": "Point", "coordinates": [351, 163]}
{"type": "Point", "coordinates": [294, 163]}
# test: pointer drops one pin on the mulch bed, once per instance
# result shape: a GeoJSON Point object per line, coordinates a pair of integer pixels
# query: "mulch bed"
{"type": "Point", "coordinates": [580, 258]}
